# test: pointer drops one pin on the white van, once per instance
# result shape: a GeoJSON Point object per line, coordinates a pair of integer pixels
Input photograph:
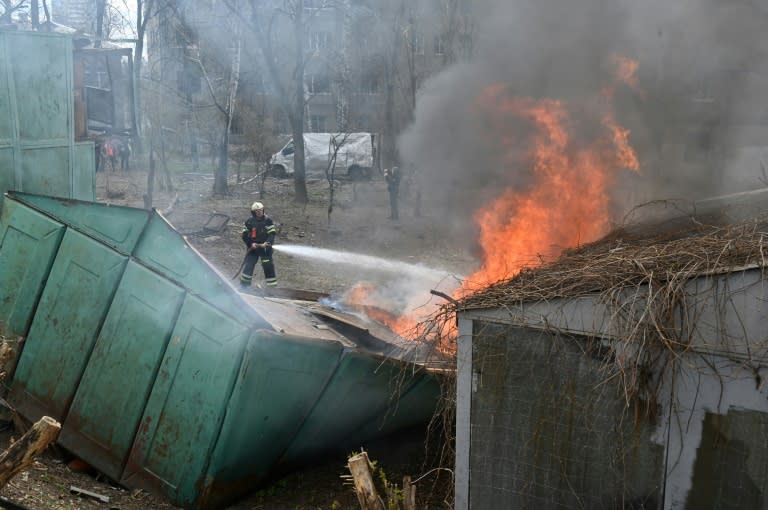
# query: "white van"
{"type": "Point", "coordinates": [355, 158]}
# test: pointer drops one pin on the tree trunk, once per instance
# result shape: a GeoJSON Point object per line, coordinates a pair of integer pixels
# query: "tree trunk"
{"type": "Point", "coordinates": [23, 452]}
{"type": "Point", "coordinates": [100, 8]}
{"type": "Point", "coordinates": [297, 118]}
{"type": "Point", "coordinates": [220, 179]}
{"type": "Point", "coordinates": [388, 150]}
{"type": "Point", "coordinates": [144, 12]}
{"type": "Point", "coordinates": [150, 179]}
{"type": "Point", "coordinates": [192, 134]}
{"type": "Point", "coordinates": [299, 168]}
{"type": "Point", "coordinates": [34, 9]}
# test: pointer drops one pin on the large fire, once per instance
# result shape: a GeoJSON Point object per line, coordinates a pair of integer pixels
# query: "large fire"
{"type": "Point", "coordinates": [566, 200]}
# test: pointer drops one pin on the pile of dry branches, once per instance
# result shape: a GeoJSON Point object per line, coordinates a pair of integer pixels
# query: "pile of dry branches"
{"type": "Point", "coordinates": [629, 257]}
{"type": "Point", "coordinates": [663, 256]}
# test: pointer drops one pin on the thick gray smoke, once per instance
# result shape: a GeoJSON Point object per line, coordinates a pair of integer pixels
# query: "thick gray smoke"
{"type": "Point", "coordinates": [693, 60]}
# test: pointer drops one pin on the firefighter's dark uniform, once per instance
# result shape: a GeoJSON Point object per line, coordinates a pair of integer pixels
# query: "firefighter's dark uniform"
{"type": "Point", "coordinates": [259, 230]}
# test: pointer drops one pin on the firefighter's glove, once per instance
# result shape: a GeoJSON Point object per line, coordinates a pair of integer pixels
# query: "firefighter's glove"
{"type": "Point", "coordinates": [267, 245]}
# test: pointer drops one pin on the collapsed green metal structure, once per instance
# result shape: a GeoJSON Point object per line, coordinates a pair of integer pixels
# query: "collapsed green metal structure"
{"type": "Point", "coordinates": [163, 376]}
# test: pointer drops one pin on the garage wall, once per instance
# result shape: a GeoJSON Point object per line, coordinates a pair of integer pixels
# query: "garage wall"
{"type": "Point", "coordinates": [545, 433]}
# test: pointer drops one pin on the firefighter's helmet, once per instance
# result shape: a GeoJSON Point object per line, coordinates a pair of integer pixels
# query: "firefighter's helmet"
{"type": "Point", "coordinates": [257, 206]}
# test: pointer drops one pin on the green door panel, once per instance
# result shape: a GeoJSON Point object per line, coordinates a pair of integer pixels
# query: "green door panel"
{"type": "Point", "coordinates": [79, 290]}
{"type": "Point", "coordinates": [416, 405]}
{"type": "Point", "coordinates": [7, 171]}
{"type": "Point", "coordinates": [186, 407]}
{"type": "Point", "coordinates": [83, 173]}
{"type": "Point", "coordinates": [359, 391]}
{"type": "Point", "coordinates": [7, 109]}
{"type": "Point", "coordinates": [165, 250]}
{"type": "Point", "coordinates": [42, 86]}
{"type": "Point", "coordinates": [115, 226]}
{"type": "Point", "coordinates": [46, 171]}
{"type": "Point", "coordinates": [285, 376]}
{"type": "Point", "coordinates": [109, 402]}
{"type": "Point", "coordinates": [28, 245]}
{"type": "Point", "coordinates": [37, 118]}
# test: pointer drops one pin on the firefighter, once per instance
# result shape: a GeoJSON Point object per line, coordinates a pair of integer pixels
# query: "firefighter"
{"type": "Point", "coordinates": [258, 236]}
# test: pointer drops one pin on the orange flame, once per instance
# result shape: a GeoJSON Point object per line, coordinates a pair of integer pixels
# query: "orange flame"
{"type": "Point", "coordinates": [626, 72]}
{"type": "Point", "coordinates": [362, 297]}
{"type": "Point", "coordinates": [568, 202]}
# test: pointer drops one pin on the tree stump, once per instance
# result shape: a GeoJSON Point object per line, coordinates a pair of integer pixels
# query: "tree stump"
{"type": "Point", "coordinates": [360, 469]}
{"type": "Point", "coordinates": [409, 494]}
{"type": "Point", "coordinates": [22, 453]}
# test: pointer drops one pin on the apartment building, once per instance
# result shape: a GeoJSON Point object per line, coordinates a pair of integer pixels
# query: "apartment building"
{"type": "Point", "coordinates": [362, 58]}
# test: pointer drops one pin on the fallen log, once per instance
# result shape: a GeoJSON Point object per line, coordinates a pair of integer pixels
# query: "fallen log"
{"type": "Point", "coordinates": [22, 453]}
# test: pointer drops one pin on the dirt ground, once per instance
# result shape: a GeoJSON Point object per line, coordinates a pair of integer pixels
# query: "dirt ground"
{"type": "Point", "coordinates": [358, 223]}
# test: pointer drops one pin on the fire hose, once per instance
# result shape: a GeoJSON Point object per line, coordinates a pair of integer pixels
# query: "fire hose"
{"type": "Point", "coordinates": [240, 269]}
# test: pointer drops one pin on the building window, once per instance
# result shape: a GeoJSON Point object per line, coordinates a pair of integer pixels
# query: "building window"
{"type": "Point", "coordinates": [236, 128]}
{"type": "Point", "coordinates": [260, 84]}
{"type": "Point", "coordinates": [364, 123]}
{"type": "Point", "coordinates": [416, 43]}
{"type": "Point", "coordinates": [318, 84]}
{"type": "Point", "coordinates": [318, 41]}
{"type": "Point", "coordinates": [439, 45]}
{"type": "Point", "coordinates": [318, 123]}
{"type": "Point", "coordinates": [703, 91]}
{"type": "Point", "coordinates": [369, 84]}
{"type": "Point", "coordinates": [699, 146]}
{"type": "Point", "coordinates": [316, 4]}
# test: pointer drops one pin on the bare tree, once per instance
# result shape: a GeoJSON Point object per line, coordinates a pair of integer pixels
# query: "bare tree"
{"type": "Point", "coordinates": [260, 140]}
{"type": "Point", "coordinates": [337, 141]}
{"type": "Point", "coordinates": [457, 35]}
{"type": "Point", "coordinates": [225, 105]}
{"type": "Point", "coordinates": [146, 10]}
{"type": "Point", "coordinates": [267, 18]}
{"type": "Point", "coordinates": [9, 7]}
{"type": "Point", "coordinates": [158, 108]}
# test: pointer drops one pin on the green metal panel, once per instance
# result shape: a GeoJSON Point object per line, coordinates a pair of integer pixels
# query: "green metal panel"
{"type": "Point", "coordinates": [75, 300]}
{"type": "Point", "coordinates": [416, 406]}
{"type": "Point", "coordinates": [110, 400]}
{"type": "Point", "coordinates": [28, 245]}
{"type": "Point", "coordinates": [186, 408]}
{"type": "Point", "coordinates": [259, 425]}
{"type": "Point", "coordinates": [41, 72]}
{"type": "Point", "coordinates": [116, 226]}
{"type": "Point", "coordinates": [165, 250]}
{"type": "Point", "coordinates": [7, 171]}
{"type": "Point", "coordinates": [7, 108]}
{"type": "Point", "coordinates": [360, 390]}
{"type": "Point", "coordinates": [37, 118]}
{"type": "Point", "coordinates": [83, 174]}
{"type": "Point", "coordinates": [46, 171]}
